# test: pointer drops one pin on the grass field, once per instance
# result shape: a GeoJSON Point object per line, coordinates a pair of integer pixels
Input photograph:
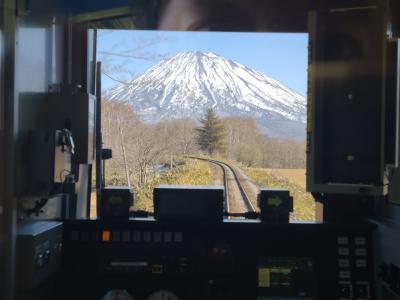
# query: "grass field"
{"type": "Point", "coordinates": [189, 172]}
{"type": "Point", "coordinates": [296, 176]}
{"type": "Point", "coordinates": [304, 206]}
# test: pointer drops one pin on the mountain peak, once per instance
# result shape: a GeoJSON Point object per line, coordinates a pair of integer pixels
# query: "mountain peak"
{"type": "Point", "coordinates": [199, 56]}
{"type": "Point", "coordinates": [190, 82]}
{"type": "Point", "coordinates": [196, 53]}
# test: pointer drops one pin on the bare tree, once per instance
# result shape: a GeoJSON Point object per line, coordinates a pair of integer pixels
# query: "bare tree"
{"type": "Point", "coordinates": [179, 135]}
{"type": "Point", "coordinates": [118, 120]}
{"type": "Point", "coordinates": [242, 140]}
{"type": "Point", "coordinates": [279, 153]}
{"type": "Point", "coordinates": [147, 150]}
{"type": "Point", "coordinates": [247, 145]}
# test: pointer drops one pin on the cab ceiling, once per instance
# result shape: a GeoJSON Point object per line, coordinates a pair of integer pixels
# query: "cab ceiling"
{"type": "Point", "coordinates": [214, 15]}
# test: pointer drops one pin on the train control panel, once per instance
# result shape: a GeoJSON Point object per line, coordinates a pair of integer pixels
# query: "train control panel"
{"type": "Point", "coordinates": [144, 259]}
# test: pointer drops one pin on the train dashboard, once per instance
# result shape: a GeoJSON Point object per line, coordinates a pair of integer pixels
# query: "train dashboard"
{"type": "Point", "coordinates": [236, 259]}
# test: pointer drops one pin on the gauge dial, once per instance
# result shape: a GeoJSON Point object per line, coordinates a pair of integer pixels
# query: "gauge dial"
{"type": "Point", "coordinates": [117, 295]}
{"type": "Point", "coordinates": [163, 295]}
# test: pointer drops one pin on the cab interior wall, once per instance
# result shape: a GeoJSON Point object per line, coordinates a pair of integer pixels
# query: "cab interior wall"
{"type": "Point", "coordinates": [51, 52]}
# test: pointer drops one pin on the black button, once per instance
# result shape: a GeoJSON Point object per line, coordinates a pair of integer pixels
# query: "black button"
{"type": "Point", "coordinates": [85, 236]}
{"type": "Point", "coordinates": [126, 236]}
{"type": "Point", "coordinates": [75, 235]}
{"type": "Point", "coordinates": [95, 236]}
{"type": "Point", "coordinates": [116, 236]}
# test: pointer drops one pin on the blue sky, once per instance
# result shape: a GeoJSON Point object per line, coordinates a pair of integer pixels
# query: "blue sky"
{"type": "Point", "coordinates": [280, 56]}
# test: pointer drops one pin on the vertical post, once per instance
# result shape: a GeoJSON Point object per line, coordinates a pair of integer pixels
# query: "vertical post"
{"type": "Point", "coordinates": [104, 174]}
{"type": "Point", "coordinates": [98, 133]}
{"type": "Point", "coordinates": [310, 152]}
{"type": "Point", "coordinates": [89, 192]}
{"type": "Point", "coordinates": [397, 150]}
{"type": "Point", "coordinates": [319, 211]}
{"type": "Point", "coordinates": [8, 118]}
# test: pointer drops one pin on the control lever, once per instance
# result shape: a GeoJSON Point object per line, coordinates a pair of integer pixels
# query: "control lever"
{"type": "Point", "coordinates": [65, 139]}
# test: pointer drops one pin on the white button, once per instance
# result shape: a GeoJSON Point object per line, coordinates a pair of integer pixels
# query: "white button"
{"type": "Point", "coordinates": [343, 251]}
{"type": "Point", "coordinates": [116, 236]}
{"type": "Point", "coordinates": [344, 263]}
{"type": "Point", "coordinates": [136, 236]}
{"type": "Point", "coordinates": [157, 236]}
{"type": "Point", "coordinates": [147, 236]}
{"type": "Point", "coordinates": [167, 236]}
{"type": "Point", "coordinates": [361, 263]}
{"type": "Point", "coordinates": [360, 241]}
{"type": "Point", "coordinates": [178, 236]}
{"type": "Point", "coordinates": [126, 236]}
{"type": "Point", "coordinates": [361, 252]}
{"type": "Point", "coordinates": [344, 274]}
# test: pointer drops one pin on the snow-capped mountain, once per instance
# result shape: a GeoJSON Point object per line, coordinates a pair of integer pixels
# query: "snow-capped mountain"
{"type": "Point", "coordinates": [189, 83]}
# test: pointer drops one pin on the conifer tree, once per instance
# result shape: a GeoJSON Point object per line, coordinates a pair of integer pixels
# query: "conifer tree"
{"type": "Point", "coordinates": [211, 133]}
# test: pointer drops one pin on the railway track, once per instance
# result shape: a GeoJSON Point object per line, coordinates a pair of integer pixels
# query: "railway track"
{"type": "Point", "coordinates": [237, 199]}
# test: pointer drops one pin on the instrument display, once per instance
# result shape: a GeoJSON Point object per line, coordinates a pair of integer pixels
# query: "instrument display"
{"type": "Point", "coordinates": [294, 277]}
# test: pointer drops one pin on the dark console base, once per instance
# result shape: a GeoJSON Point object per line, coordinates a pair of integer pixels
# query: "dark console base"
{"type": "Point", "coordinates": [231, 260]}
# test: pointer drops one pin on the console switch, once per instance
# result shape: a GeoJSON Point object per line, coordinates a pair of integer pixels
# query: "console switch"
{"type": "Point", "coordinates": [345, 290]}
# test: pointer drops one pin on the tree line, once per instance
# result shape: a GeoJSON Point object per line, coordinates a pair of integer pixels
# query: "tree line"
{"type": "Point", "coordinates": [141, 150]}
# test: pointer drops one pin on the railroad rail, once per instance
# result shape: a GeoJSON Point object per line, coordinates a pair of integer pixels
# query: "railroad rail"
{"type": "Point", "coordinates": [245, 198]}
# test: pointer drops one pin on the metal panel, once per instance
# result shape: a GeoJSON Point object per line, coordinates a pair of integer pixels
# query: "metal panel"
{"type": "Point", "coordinates": [346, 129]}
{"type": "Point", "coordinates": [7, 118]}
{"type": "Point", "coordinates": [397, 151]}
{"type": "Point", "coordinates": [33, 57]}
{"type": "Point", "coordinates": [82, 192]}
{"type": "Point", "coordinates": [40, 51]}
{"type": "Point", "coordinates": [31, 61]}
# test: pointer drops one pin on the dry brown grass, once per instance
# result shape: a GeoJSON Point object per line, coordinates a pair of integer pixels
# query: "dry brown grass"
{"type": "Point", "coordinates": [297, 176]}
{"type": "Point", "coordinates": [188, 172]}
{"type": "Point", "coordinates": [93, 205]}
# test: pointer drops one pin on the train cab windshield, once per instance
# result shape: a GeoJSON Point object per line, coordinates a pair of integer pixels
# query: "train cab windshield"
{"type": "Point", "coordinates": [205, 108]}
